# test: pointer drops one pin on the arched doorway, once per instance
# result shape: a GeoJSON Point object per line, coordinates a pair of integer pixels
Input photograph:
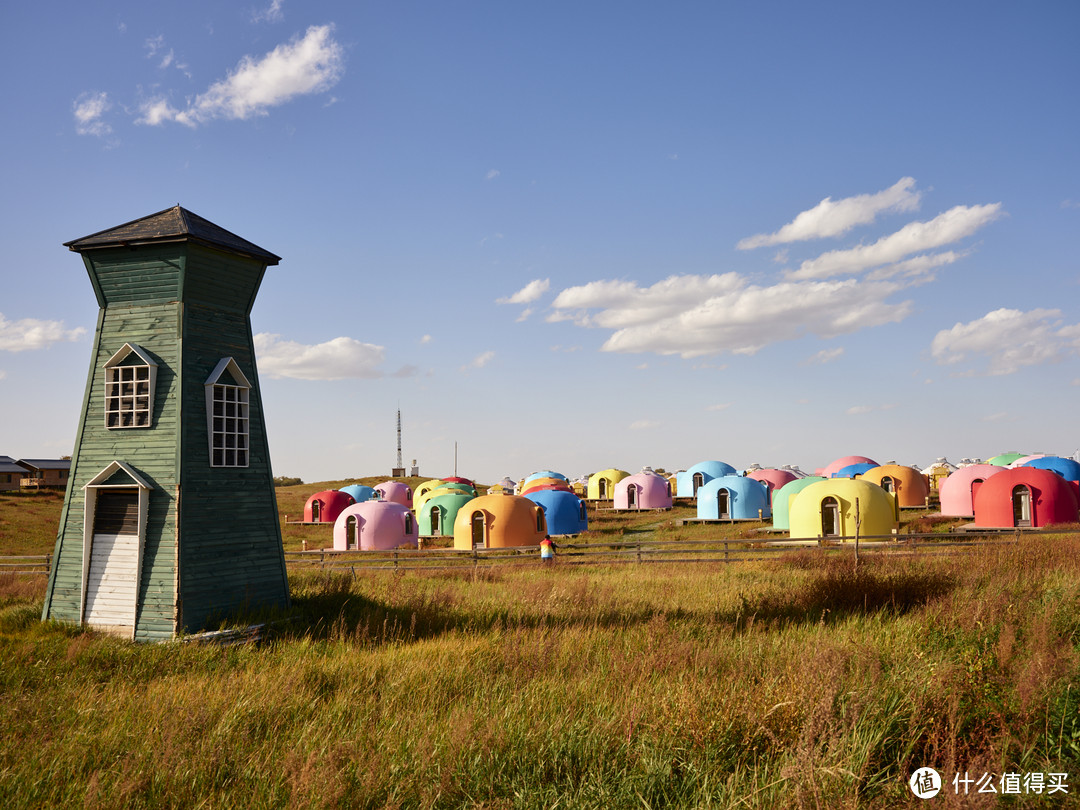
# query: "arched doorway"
{"type": "Point", "coordinates": [631, 497]}
{"type": "Point", "coordinates": [699, 482]}
{"type": "Point", "coordinates": [1021, 500]}
{"type": "Point", "coordinates": [435, 515]}
{"type": "Point", "coordinates": [316, 511]}
{"type": "Point", "coordinates": [602, 489]}
{"type": "Point", "coordinates": [830, 517]}
{"type": "Point", "coordinates": [723, 504]}
{"type": "Point", "coordinates": [351, 533]}
{"type": "Point", "coordinates": [479, 540]}
{"type": "Point", "coordinates": [888, 484]}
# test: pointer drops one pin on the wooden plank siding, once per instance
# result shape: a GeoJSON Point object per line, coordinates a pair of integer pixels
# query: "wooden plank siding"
{"type": "Point", "coordinates": [150, 451]}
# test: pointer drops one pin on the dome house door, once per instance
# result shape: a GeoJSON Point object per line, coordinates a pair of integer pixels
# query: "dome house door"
{"type": "Point", "coordinates": [830, 518]}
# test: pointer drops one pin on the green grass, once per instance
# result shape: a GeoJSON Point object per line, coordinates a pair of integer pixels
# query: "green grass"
{"type": "Point", "coordinates": [796, 682]}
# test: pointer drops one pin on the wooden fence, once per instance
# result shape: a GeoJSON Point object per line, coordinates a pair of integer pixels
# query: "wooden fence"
{"type": "Point", "coordinates": [30, 564]}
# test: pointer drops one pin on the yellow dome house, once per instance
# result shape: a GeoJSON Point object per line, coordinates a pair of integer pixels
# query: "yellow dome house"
{"type": "Point", "coordinates": [602, 484]}
{"type": "Point", "coordinates": [828, 509]}
{"type": "Point", "coordinates": [499, 521]}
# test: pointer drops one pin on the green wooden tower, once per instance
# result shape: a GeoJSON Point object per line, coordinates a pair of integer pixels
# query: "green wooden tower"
{"type": "Point", "coordinates": [170, 518]}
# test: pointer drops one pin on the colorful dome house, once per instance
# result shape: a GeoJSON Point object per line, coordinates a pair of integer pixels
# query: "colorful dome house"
{"type": "Point", "coordinates": [325, 506]}
{"type": "Point", "coordinates": [602, 484]}
{"type": "Point", "coordinates": [855, 470]}
{"type": "Point", "coordinates": [437, 515]}
{"type": "Point", "coordinates": [781, 500]}
{"type": "Point", "coordinates": [733, 497]}
{"type": "Point", "coordinates": [1005, 459]}
{"type": "Point", "coordinates": [643, 490]}
{"type": "Point", "coordinates": [772, 478]}
{"type": "Point", "coordinates": [359, 492]}
{"type": "Point", "coordinates": [396, 492]}
{"type": "Point", "coordinates": [956, 494]}
{"type": "Point", "coordinates": [938, 471]}
{"type": "Point", "coordinates": [426, 487]}
{"type": "Point", "coordinates": [1067, 468]}
{"type": "Point", "coordinates": [840, 463]}
{"type": "Point", "coordinates": [1025, 497]}
{"type": "Point", "coordinates": [545, 474]}
{"type": "Point", "coordinates": [375, 526]}
{"type": "Point", "coordinates": [563, 510]}
{"type": "Point", "coordinates": [689, 481]}
{"type": "Point", "coordinates": [499, 521]}
{"type": "Point", "coordinates": [910, 486]}
{"type": "Point", "coordinates": [833, 507]}
{"type": "Point", "coordinates": [148, 544]}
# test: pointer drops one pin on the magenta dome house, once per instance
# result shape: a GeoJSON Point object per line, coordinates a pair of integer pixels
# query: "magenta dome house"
{"type": "Point", "coordinates": [643, 490]}
{"type": "Point", "coordinates": [375, 526]}
{"type": "Point", "coordinates": [1025, 497]}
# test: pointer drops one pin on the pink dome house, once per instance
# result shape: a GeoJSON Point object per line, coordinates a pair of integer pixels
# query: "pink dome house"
{"type": "Point", "coordinates": [325, 506]}
{"type": "Point", "coordinates": [957, 492]}
{"type": "Point", "coordinates": [1026, 496]}
{"type": "Point", "coordinates": [396, 492]}
{"type": "Point", "coordinates": [643, 490]}
{"type": "Point", "coordinates": [375, 526]}
{"type": "Point", "coordinates": [840, 463]}
{"type": "Point", "coordinates": [773, 479]}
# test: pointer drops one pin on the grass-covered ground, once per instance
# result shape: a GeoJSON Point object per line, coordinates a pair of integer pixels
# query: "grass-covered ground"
{"type": "Point", "coordinates": [797, 682]}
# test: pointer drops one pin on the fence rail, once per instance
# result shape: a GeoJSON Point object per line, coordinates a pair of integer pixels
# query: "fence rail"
{"type": "Point", "coordinates": [30, 564]}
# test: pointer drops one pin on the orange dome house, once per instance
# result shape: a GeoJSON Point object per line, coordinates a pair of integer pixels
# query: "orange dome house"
{"type": "Point", "coordinates": [499, 521]}
{"type": "Point", "coordinates": [1023, 497]}
{"type": "Point", "coordinates": [910, 486]}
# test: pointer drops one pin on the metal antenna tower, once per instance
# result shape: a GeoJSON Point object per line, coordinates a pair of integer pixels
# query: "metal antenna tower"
{"type": "Point", "coordinates": [399, 464]}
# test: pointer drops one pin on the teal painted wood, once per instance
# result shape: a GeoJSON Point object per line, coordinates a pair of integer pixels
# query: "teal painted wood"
{"type": "Point", "coordinates": [212, 542]}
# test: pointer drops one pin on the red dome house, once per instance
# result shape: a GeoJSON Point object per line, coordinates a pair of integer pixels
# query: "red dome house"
{"type": "Point", "coordinates": [643, 490]}
{"type": "Point", "coordinates": [1025, 497]}
{"type": "Point", "coordinates": [910, 486]}
{"type": "Point", "coordinates": [957, 491]}
{"type": "Point", "coordinates": [325, 506]}
{"type": "Point", "coordinates": [375, 526]}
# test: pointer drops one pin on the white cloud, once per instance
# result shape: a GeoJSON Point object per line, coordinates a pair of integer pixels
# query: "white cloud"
{"type": "Point", "coordinates": [527, 294]}
{"type": "Point", "coordinates": [957, 223]}
{"type": "Point", "coordinates": [271, 14]}
{"type": "Point", "coordinates": [88, 109]}
{"type": "Point", "coordinates": [701, 315]}
{"type": "Point", "coordinates": [303, 66]}
{"type": "Point", "coordinates": [30, 333]}
{"type": "Point", "coordinates": [857, 410]}
{"type": "Point", "coordinates": [836, 217]}
{"type": "Point", "coordinates": [338, 359]}
{"type": "Point", "coordinates": [492, 174]}
{"type": "Point", "coordinates": [644, 424]}
{"type": "Point", "coordinates": [425, 339]}
{"type": "Point", "coordinates": [480, 360]}
{"type": "Point", "coordinates": [824, 356]}
{"type": "Point", "coordinates": [155, 111]}
{"type": "Point", "coordinates": [1008, 340]}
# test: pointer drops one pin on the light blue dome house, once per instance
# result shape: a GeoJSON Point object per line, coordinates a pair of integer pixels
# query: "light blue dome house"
{"type": "Point", "coordinates": [688, 482]}
{"type": "Point", "coordinates": [733, 497]}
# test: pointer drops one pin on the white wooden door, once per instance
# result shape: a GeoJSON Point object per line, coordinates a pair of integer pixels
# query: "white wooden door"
{"type": "Point", "coordinates": [112, 578]}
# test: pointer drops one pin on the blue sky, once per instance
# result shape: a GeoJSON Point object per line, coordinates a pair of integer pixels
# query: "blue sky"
{"type": "Point", "coordinates": [573, 236]}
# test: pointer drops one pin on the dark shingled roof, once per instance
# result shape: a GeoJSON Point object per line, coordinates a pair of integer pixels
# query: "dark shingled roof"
{"type": "Point", "coordinates": [174, 224]}
{"type": "Point", "coordinates": [46, 463]}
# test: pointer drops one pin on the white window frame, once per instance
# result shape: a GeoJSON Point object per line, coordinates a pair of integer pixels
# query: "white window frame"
{"type": "Point", "coordinates": [222, 427]}
{"type": "Point", "coordinates": [129, 389]}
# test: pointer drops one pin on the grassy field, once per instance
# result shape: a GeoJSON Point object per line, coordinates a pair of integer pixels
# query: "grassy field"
{"type": "Point", "coordinates": [798, 682]}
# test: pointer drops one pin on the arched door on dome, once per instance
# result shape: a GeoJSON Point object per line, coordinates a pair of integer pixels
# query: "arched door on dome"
{"type": "Point", "coordinates": [723, 504]}
{"type": "Point", "coordinates": [602, 489]}
{"type": "Point", "coordinates": [479, 540]}
{"type": "Point", "coordinates": [631, 497]}
{"type": "Point", "coordinates": [316, 511]}
{"type": "Point", "coordinates": [888, 484]}
{"type": "Point", "coordinates": [1021, 501]}
{"type": "Point", "coordinates": [830, 517]}
{"type": "Point", "coordinates": [699, 481]}
{"type": "Point", "coordinates": [435, 520]}
{"type": "Point", "coordinates": [350, 533]}
{"type": "Point", "coordinates": [975, 485]}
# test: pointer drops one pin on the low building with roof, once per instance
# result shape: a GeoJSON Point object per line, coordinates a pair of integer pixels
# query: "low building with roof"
{"type": "Point", "coordinates": [45, 473]}
{"type": "Point", "coordinates": [11, 474]}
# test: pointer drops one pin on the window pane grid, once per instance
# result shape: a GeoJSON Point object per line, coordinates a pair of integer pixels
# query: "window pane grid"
{"type": "Point", "coordinates": [127, 396]}
{"type": "Point", "coordinates": [229, 426]}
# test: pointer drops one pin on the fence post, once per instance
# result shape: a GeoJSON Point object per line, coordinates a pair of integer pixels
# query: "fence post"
{"type": "Point", "coordinates": [638, 546]}
{"type": "Point", "coordinates": [395, 559]}
{"type": "Point", "coordinates": [725, 551]}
